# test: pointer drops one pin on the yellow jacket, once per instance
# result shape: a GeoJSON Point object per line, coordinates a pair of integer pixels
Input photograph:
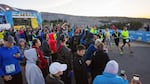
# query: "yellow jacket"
{"type": "Point", "coordinates": [125, 34]}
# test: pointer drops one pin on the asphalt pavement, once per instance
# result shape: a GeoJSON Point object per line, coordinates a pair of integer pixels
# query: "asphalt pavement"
{"type": "Point", "coordinates": [136, 63]}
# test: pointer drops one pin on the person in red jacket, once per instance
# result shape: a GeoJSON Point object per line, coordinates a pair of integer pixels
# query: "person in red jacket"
{"type": "Point", "coordinates": [42, 63]}
{"type": "Point", "coordinates": [52, 45]}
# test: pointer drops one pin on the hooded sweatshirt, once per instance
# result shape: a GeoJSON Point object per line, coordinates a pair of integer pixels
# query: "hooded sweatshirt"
{"type": "Point", "coordinates": [110, 75]}
{"type": "Point", "coordinates": [52, 43]}
{"type": "Point", "coordinates": [33, 72]}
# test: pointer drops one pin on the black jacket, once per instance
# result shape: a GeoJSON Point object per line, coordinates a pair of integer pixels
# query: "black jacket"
{"type": "Point", "coordinates": [75, 41]}
{"type": "Point", "coordinates": [99, 61]}
{"type": "Point", "coordinates": [45, 48]}
{"type": "Point", "coordinates": [50, 79]}
{"type": "Point", "coordinates": [64, 56]}
{"type": "Point", "coordinates": [80, 70]}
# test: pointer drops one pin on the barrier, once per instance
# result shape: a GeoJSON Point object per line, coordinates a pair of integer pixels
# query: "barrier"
{"type": "Point", "coordinates": [140, 36]}
{"type": "Point", "coordinates": [146, 37]}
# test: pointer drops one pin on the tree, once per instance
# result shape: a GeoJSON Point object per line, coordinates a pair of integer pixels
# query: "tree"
{"type": "Point", "coordinates": [133, 25]}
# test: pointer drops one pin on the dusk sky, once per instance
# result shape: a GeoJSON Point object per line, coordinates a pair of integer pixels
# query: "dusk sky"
{"type": "Point", "coordinates": [127, 8]}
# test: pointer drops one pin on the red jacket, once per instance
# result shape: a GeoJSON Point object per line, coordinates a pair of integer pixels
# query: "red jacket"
{"type": "Point", "coordinates": [52, 43]}
{"type": "Point", "coordinates": [42, 62]}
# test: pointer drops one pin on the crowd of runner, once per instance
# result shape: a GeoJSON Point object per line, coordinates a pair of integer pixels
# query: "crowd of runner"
{"type": "Point", "coordinates": [56, 55]}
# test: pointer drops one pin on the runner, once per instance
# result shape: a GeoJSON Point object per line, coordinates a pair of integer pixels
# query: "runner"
{"type": "Point", "coordinates": [125, 37]}
{"type": "Point", "coordinates": [116, 36]}
{"type": "Point", "coordinates": [108, 39]}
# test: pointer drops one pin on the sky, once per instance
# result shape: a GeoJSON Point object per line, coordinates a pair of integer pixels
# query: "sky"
{"type": "Point", "coordinates": [123, 8]}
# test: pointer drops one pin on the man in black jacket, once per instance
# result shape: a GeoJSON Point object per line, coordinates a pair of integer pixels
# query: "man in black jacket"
{"type": "Point", "coordinates": [99, 61]}
{"type": "Point", "coordinates": [64, 56]}
{"type": "Point", "coordinates": [79, 66]}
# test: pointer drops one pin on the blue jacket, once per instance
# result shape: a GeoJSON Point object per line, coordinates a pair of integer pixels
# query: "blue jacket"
{"type": "Point", "coordinates": [9, 64]}
{"type": "Point", "coordinates": [91, 49]}
{"type": "Point", "coordinates": [108, 78]}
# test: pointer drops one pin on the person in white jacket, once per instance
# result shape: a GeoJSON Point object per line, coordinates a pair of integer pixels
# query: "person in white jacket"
{"type": "Point", "coordinates": [33, 72]}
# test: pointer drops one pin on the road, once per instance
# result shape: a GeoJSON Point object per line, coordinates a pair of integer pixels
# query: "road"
{"type": "Point", "coordinates": [136, 63]}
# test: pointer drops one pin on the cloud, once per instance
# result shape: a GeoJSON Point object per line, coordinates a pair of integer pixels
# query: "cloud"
{"type": "Point", "coordinates": [35, 4]}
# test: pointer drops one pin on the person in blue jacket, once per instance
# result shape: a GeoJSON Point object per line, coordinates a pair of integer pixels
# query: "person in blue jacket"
{"type": "Point", "coordinates": [9, 65]}
{"type": "Point", "coordinates": [110, 76]}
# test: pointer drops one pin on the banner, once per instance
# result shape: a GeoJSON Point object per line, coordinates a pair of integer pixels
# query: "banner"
{"type": "Point", "coordinates": [39, 18]}
{"type": "Point", "coordinates": [34, 23]}
{"type": "Point", "coordinates": [9, 17]}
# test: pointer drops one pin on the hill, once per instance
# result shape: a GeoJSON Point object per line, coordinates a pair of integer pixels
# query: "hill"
{"type": "Point", "coordinates": [87, 20]}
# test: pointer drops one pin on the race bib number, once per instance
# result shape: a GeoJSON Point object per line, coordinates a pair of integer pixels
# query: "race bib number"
{"type": "Point", "coordinates": [127, 40]}
{"type": "Point", "coordinates": [10, 68]}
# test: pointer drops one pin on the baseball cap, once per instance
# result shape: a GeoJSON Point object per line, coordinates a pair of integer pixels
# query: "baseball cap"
{"type": "Point", "coordinates": [55, 67]}
{"type": "Point", "coordinates": [9, 38]}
